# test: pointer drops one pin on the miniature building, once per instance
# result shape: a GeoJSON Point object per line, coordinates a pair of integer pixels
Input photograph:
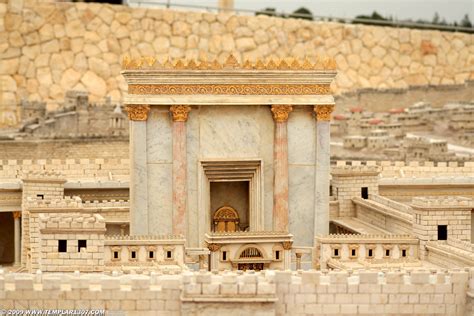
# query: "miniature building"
{"type": "Point", "coordinates": [240, 152]}
{"type": "Point", "coordinates": [355, 142]}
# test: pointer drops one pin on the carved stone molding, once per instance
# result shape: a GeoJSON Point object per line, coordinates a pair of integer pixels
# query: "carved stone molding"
{"type": "Point", "coordinates": [16, 214]}
{"type": "Point", "coordinates": [213, 247]}
{"type": "Point", "coordinates": [281, 112]}
{"type": "Point", "coordinates": [180, 112]}
{"type": "Point", "coordinates": [287, 245]}
{"type": "Point", "coordinates": [229, 89]}
{"type": "Point", "coordinates": [323, 111]}
{"type": "Point", "coordinates": [138, 112]}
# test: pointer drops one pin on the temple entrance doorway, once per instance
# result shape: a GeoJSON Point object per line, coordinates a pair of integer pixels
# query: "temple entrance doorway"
{"type": "Point", "coordinates": [7, 246]}
{"type": "Point", "coordinates": [229, 206]}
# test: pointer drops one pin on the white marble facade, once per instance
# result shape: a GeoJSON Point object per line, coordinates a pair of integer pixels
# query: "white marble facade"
{"type": "Point", "coordinates": [234, 132]}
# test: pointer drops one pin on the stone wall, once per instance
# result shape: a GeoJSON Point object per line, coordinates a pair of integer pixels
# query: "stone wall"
{"type": "Point", "coordinates": [48, 48]}
{"type": "Point", "coordinates": [64, 149]}
{"type": "Point", "coordinates": [267, 293]}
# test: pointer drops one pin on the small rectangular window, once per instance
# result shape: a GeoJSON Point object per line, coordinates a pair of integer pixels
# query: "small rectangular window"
{"type": "Point", "coordinates": [151, 254]}
{"type": "Point", "coordinates": [442, 232]}
{"type": "Point", "coordinates": [168, 254]}
{"type": "Point", "coordinates": [364, 193]}
{"type": "Point", "coordinates": [353, 252]}
{"type": "Point", "coordinates": [387, 252]}
{"type": "Point", "coordinates": [115, 254]}
{"type": "Point", "coordinates": [62, 245]}
{"type": "Point", "coordinates": [277, 255]}
{"type": "Point", "coordinates": [404, 252]}
{"type": "Point", "coordinates": [371, 253]}
{"type": "Point", "coordinates": [81, 244]}
{"type": "Point", "coordinates": [41, 196]}
{"type": "Point", "coordinates": [224, 255]}
{"type": "Point", "coordinates": [134, 254]}
{"type": "Point", "coordinates": [336, 252]}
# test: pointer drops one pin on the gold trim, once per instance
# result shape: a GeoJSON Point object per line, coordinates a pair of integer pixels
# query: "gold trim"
{"type": "Point", "coordinates": [321, 63]}
{"type": "Point", "coordinates": [180, 112]}
{"type": "Point", "coordinates": [281, 112]}
{"type": "Point", "coordinates": [138, 112]}
{"type": "Point", "coordinates": [323, 111]}
{"type": "Point", "coordinates": [229, 89]}
{"type": "Point", "coordinates": [16, 214]}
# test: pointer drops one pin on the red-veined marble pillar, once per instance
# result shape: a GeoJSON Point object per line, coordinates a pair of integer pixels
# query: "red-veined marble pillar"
{"type": "Point", "coordinates": [180, 116]}
{"type": "Point", "coordinates": [280, 167]}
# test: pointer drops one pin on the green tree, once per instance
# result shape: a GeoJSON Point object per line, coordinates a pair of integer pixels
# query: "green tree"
{"type": "Point", "coordinates": [267, 11]}
{"type": "Point", "coordinates": [302, 13]}
{"type": "Point", "coordinates": [466, 22]}
{"type": "Point", "coordinates": [435, 18]}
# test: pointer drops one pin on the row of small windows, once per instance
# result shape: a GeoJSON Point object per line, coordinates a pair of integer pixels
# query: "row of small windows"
{"type": "Point", "coordinates": [370, 252]}
{"type": "Point", "coordinates": [151, 254]}
{"type": "Point", "coordinates": [62, 245]}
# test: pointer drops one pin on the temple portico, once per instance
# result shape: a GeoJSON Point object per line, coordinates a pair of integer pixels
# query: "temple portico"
{"type": "Point", "coordinates": [251, 139]}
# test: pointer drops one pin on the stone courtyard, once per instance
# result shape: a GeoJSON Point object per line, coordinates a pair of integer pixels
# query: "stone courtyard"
{"type": "Point", "coordinates": [162, 162]}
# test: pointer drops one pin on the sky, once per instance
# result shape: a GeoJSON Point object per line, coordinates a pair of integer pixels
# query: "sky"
{"type": "Point", "coordinates": [451, 10]}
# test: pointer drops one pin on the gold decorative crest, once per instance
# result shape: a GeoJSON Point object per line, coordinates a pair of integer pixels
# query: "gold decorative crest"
{"type": "Point", "coordinates": [321, 63]}
{"type": "Point", "coordinates": [138, 112]}
{"type": "Point", "coordinates": [323, 111]}
{"type": "Point", "coordinates": [281, 112]}
{"type": "Point", "coordinates": [180, 112]}
{"type": "Point", "coordinates": [230, 89]}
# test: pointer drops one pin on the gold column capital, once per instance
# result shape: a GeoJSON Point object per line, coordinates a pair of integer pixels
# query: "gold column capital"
{"type": "Point", "coordinates": [213, 247]}
{"type": "Point", "coordinates": [180, 112]}
{"type": "Point", "coordinates": [281, 112]}
{"type": "Point", "coordinates": [323, 111]}
{"type": "Point", "coordinates": [16, 214]}
{"type": "Point", "coordinates": [287, 245]}
{"type": "Point", "coordinates": [138, 112]}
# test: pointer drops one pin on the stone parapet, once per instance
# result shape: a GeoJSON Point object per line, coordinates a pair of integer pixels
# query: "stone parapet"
{"type": "Point", "coordinates": [442, 203]}
{"type": "Point", "coordinates": [362, 292]}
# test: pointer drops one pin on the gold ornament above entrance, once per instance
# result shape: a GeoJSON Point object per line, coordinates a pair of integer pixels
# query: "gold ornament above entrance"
{"type": "Point", "coordinates": [226, 219]}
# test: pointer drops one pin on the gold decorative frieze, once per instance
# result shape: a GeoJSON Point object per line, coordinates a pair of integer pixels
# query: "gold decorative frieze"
{"type": "Point", "coordinates": [323, 111]}
{"type": "Point", "coordinates": [281, 112]}
{"type": "Point", "coordinates": [180, 112]}
{"type": "Point", "coordinates": [320, 63]}
{"type": "Point", "coordinates": [137, 112]}
{"type": "Point", "coordinates": [229, 89]}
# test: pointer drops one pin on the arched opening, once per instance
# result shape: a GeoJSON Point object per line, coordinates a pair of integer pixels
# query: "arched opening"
{"type": "Point", "coordinates": [226, 219]}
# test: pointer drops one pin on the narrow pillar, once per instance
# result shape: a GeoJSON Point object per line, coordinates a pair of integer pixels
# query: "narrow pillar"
{"type": "Point", "coordinates": [280, 168]}
{"type": "Point", "coordinates": [214, 256]}
{"type": "Point", "coordinates": [180, 116]}
{"type": "Point", "coordinates": [17, 224]}
{"type": "Point", "coordinates": [287, 246]}
{"type": "Point", "coordinates": [138, 115]}
{"type": "Point", "coordinates": [321, 205]}
{"type": "Point", "coordinates": [298, 260]}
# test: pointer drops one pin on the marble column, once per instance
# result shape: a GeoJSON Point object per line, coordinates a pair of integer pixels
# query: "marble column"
{"type": "Point", "coordinates": [321, 205]}
{"type": "Point", "coordinates": [287, 246]}
{"type": "Point", "coordinates": [280, 167]}
{"type": "Point", "coordinates": [17, 238]}
{"type": "Point", "coordinates": [180, 116]}
{"type": "Point", "coordinates": [138, 115]}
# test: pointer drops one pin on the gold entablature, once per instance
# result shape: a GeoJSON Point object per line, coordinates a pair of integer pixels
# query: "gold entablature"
{"type": "Point", "coordinates": [321, 63]}
{"type": "Point", "coordinates": [323, 111]}
{"type": "Point", "coordinates": [137, 112]}
{"type": "Point", "coordinates": [231, 89]}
